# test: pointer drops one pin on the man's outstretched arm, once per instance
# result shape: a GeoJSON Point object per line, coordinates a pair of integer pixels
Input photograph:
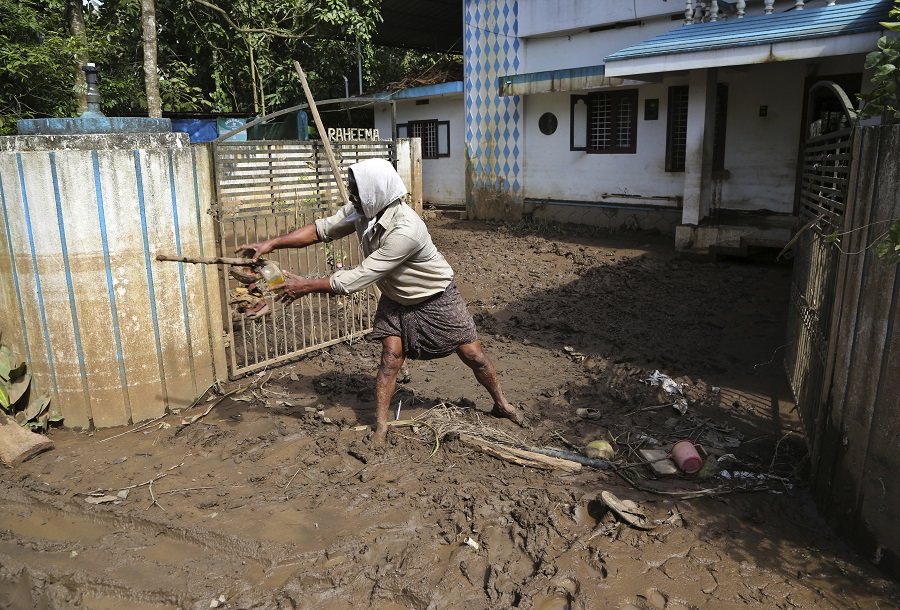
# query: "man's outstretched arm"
{"type": "Point", "coordinates": [298, 238]}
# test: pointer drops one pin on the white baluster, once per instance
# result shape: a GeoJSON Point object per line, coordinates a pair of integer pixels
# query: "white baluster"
{"type": "Point", "coordinates": [798, 6]}
{"type": "Point", "coordinates": [741, 5]}
{"type": "Point", "coordinates": [688, 13]}
{"type": "Point", "coordinates": [700, 12]}
{"type": "Point", "coordinates": [770, 6]}
{"type": "Point", "coordinates": [714, 10]}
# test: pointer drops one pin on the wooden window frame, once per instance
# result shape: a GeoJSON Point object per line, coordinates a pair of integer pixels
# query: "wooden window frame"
{"type": "Point", "coordinates": [616, 99]}
{"type": "Point", "coordinates": [435, 125]}
{"type": "Point", "coordinates": [719, 127]}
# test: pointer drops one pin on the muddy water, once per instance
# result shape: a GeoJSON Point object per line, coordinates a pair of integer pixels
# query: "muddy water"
{"type": "Point", "coordinates": [269, 506]}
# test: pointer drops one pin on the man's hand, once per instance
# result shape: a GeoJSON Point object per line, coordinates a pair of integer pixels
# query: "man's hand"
{"type": "Point", "coordinates": [255, 249]}
{"type": "Point", "coordinates": [295, 287]}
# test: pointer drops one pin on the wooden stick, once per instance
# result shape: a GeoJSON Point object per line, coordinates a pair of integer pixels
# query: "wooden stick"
{"type": "Point", "coordinates": [18, 444]}
{"type": "Point", "coordinates": [217, 260]}
{"type": "Point", "coordinates": [519, 456]}
{"type": "Point", "coordinates": [323, 135]}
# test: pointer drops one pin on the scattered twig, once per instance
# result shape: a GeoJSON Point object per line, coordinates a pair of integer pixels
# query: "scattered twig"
{"type": "Point", "coordinates": [137, 429]}
{"type": "Point", "coordinates": [299, 470]}
{"type": "Point", "coordinates": [136, 485]}
{"type": "Point", "coordinates": [564, 440]}
{"type": "Point", "coordinates": [152, 497]}
{"type": "Point", "coordinates": [651, 408]}
{"type": "Point", "coordinates": [685, 494]}
{"type": "Point", "coordinates": [186, 489]}
{"type": "Point", "coordinates": [775, 452]}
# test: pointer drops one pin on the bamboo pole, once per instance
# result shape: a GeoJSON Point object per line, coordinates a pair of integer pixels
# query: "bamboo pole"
{"type": "Point", "coordinates": [323, 135]}
{"type": "Point", "coordinates": [217, 260]}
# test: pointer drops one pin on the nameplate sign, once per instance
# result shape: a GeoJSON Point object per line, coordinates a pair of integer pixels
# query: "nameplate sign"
{"type": "Point", "coordinates": [344, 134]}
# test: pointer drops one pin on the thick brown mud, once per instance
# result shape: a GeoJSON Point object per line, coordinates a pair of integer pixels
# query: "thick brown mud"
{"type": "Point", "coordinates": [275, 499]}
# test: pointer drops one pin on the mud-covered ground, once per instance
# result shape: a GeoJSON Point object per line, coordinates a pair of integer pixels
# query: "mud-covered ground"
{"type": "Point", "coordinates": [275, 499]}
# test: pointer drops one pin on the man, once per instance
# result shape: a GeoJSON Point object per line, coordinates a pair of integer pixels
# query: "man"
{"type": "Point", "coordinates": [421, 314]}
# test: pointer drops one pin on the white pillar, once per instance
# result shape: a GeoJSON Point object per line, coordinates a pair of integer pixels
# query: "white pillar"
{"type": "Point", "coordinates": [698, 162]}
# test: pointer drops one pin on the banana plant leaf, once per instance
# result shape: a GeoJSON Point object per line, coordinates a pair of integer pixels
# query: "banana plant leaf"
{"type": "Point", "coordinates": [18, 388]}
{"type": "Point", "coordinates": [6, 358]}
{"type": "Point", "coordinates": [36, 408]}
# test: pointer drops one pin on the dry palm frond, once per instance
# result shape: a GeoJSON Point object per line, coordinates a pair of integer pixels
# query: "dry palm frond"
{"type": "Point", "coordinates": [447, 419]}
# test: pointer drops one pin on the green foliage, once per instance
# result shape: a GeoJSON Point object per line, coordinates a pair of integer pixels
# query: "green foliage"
{"type": "Point", "coordinates": [883, 101]}
{"type": "Point", "coordinates": [15, 383]}
{"type": "Point", "coordinates": [207, 62]}
{"type": "Point", "coordinates": [889, 247]}
{"type": "Point", "coordinates": [35, 78]}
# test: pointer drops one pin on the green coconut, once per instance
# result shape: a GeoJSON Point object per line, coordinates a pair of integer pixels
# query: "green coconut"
{"type": "Point", "coordinates": [599, 450]}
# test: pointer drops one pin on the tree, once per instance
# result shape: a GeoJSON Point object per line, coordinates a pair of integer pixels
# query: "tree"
{"type": "Point", "coordinates": [223, 56]}
{"type": "Point", "coordinates": [151, 75]}
{"type": "Point", "coordinates": [33, 80]}
{"type": "Point", "coordinates": [75, 11]}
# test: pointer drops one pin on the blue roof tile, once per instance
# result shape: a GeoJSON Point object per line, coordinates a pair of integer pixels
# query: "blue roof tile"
{"type": "Point", "coordinates": [811, 23]}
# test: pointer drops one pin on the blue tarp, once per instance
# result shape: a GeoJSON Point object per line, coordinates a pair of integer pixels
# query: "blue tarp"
{"type": "Point", "coordinates": [200, 130]}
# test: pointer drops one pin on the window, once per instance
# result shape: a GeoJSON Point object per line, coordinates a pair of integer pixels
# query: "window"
{"type": "Point", "coordinates": [719, 132]}
{"type": "Point", "coordinates": [435, 136]}
{"type": "Point", "coordinates": [605, 122]}
{"type": "Point", "coordinates": [676, 136]}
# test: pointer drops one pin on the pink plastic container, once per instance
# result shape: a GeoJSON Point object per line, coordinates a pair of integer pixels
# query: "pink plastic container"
{"type": "Point", "coordinates": [686, 457]}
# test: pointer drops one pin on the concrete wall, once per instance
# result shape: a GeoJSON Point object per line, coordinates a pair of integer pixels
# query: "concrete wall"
{"type": "Point", "coordinates": [443, 179]}
{"type": "Point", "coordinates": [111, 334]}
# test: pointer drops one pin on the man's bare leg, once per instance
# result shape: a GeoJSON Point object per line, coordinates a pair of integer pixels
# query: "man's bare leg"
{"type": "Point", "coordinates": [474, 357]}
{"type": "Point", "coordinates": [385, 382]}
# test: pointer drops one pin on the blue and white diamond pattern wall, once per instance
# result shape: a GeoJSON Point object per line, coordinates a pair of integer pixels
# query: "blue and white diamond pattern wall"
{"type": "Point", "coordinates": [492, 122]}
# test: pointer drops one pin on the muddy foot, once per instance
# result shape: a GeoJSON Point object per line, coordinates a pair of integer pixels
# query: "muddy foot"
{"type": "Point", "coordinates": [379, 437]}
{"type": "Point", "coordinates": [517, 416]}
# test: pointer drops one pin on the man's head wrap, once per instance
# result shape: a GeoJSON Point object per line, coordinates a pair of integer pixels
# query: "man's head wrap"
{"type": "Point", "coordinates": [378, 183]}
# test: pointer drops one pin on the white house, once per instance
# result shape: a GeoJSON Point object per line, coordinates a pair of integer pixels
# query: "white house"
{"type": "Point", "coordinates": [436, 114]}
{"type": "Point", "coordinates": [687, 118]}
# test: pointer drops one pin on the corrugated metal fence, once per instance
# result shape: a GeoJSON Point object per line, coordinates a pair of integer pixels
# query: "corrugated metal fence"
{"type": "Point", "coordinates": [267, 188]}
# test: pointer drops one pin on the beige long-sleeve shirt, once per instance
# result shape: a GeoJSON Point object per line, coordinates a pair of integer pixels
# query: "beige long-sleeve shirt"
{"type": "Point", "coordinates": [399, 254]}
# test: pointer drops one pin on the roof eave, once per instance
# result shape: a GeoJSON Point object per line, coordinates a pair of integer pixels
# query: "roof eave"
{"type": "Point", "coordinates": [745, 55]}
{"type": "Point", "coordinates": [556, 81]}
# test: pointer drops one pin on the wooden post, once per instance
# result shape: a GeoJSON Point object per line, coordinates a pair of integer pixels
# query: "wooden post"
{"type": "Point", "coordinates": [18, 444]}
{"type": "Point", "coordinates": [323, 135]}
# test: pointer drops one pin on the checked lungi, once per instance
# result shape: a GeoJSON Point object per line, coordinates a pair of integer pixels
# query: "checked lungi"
{"type": "Point", "coordinates": [431, 329]}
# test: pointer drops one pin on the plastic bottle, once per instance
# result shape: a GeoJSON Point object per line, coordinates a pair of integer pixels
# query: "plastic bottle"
{"type": "Point", "coordinates": [272, 274]}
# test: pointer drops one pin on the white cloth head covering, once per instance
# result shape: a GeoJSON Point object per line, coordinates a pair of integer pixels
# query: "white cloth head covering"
{"type": "Point", "coordinates": [379, 185]}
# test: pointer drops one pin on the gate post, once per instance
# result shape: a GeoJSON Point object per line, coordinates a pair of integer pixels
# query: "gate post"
{"type": "Point", "coordinates": [409, 166]}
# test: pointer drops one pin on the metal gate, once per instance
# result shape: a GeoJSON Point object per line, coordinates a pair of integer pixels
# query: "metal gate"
{"type": "Point", "coordinates": [268, 188]}
{"type": "Point", "coordinates": [823, 195]}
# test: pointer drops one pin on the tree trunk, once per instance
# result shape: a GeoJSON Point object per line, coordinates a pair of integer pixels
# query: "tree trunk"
{"type": "Point", "coordinates": [151, 76]}
{"type": "Point", "coordinates": [77, 29]}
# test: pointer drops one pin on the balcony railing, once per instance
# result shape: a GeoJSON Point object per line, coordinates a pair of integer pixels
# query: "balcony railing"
{"type": "Point", "coordinates": [711, 10]}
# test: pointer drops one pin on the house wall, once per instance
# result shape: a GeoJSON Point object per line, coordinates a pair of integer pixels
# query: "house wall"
{"type": "Point", "coordinates": [493, 123]}
{"type": "Point", "coordinates": [443, 179]}
{"type": "Point", "coordinates": [509, 164]}
{"type": "Point", "coordinates": [585, 48]}
{"type": "Point", "coordinates": [761, 152]}
{"type": "Point", "coordinates": [566, 16]}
